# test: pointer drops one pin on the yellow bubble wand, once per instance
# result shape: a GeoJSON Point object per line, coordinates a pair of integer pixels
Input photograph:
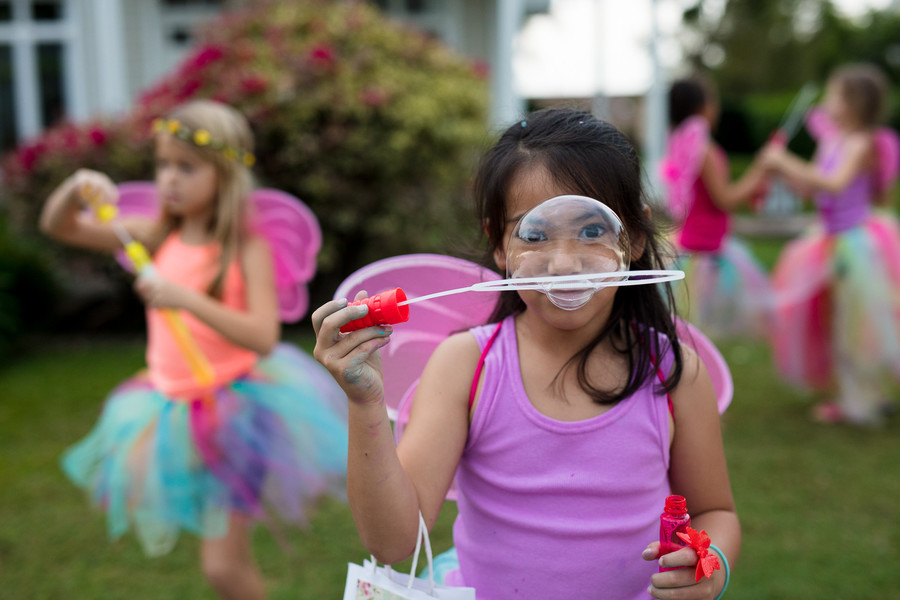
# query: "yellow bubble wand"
{"type": "Point", "coordinates": [140, 259]}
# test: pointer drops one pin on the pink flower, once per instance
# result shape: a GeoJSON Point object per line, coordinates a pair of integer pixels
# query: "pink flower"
{"type": "Point", "coordinates": [205, 56]}
{"type": "Point", "coordinates": [188, 88]}
{"type": "Point", "coordinates": [253, 84]}
{"type": "Point", "coordinates": [29, 155]}
{"type": "Point", "coordinates": [322, 55]}
{"type": "Point", "coordinates": [97, 136]}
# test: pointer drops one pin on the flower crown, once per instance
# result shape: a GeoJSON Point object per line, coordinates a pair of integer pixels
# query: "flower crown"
{"type": "Point", "coordinates": [202, 139]}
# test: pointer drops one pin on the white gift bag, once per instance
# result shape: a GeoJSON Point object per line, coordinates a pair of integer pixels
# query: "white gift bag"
{"type": "Point", "coordinates": [371, 582]}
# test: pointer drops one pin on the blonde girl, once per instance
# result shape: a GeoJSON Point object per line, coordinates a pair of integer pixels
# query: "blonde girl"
{"type": "Point", "coordinates": [263, 435]}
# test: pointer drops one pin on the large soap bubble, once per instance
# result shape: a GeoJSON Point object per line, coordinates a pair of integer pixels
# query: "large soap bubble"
{"type": "Point", "coordinates": [571, 246]}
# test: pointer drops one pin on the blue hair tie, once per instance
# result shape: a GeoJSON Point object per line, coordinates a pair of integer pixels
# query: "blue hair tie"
{"type": "Point", "coordinates": [523, 124]}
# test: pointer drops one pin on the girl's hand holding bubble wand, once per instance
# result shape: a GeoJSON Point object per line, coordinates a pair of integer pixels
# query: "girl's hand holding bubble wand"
{"type": "Point", "coordinates": [143, 265]}
{"type": "Point", "coordinates": [787, 129]}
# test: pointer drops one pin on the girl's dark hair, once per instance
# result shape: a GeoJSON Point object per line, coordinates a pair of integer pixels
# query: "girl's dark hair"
{"type": "Point", "coordinates": [687, 97]}
{"type": "Point", "coordinates": [588, 157]}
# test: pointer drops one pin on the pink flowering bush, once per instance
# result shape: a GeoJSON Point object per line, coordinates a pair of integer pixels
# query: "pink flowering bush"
{"type": "Point", "coordinates": [375, 126]}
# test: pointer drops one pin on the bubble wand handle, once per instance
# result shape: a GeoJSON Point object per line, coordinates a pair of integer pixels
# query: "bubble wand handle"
{"type": "Point", "coordinates": [787, 129]}
{"type": "Point", "coordinates": [140, 259]}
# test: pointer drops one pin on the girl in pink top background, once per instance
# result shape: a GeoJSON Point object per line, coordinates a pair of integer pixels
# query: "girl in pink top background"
{"type": "Point", "coordinates": [725, 291]}
{"type": "Point", "coordinates": [566, 451]}
{"type": "Point", "coordinates": [836, 287]}
{"type": "Point", "coordinates": [265, 435]}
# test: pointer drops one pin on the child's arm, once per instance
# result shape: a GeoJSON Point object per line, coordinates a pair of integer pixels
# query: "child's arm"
{"type": "Point", "coordinates": [724, 193]}
{"type": "Point", "coordinates": [698, 472]}
{"type": "Point", "coordinates": [257, 328]}
{"type": "Point", "coordinates": [63, 219]}
{"type": "Point", "coordinates": [387, 486]}
{"type": "Point", "coordinates": [858, 154]}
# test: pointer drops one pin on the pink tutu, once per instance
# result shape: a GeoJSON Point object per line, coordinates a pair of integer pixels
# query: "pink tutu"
{"type": "Point", "coordinates": [837, 300]}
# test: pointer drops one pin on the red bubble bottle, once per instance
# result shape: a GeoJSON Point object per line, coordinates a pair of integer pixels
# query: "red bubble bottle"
{"type": "Point", "coordinates": [386, 308]}
{"type": "Point", "coordinates": [673, 519]}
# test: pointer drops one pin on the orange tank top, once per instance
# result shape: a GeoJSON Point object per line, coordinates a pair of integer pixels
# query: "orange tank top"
{"type": "Point", "coordinates": [194, 267]}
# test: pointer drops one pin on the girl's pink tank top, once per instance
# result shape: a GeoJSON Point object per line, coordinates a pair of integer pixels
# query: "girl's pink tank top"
{"type": "Point", "coordinates": [706, 224]}
{"type": "Point", "coordinates": [194, 267]}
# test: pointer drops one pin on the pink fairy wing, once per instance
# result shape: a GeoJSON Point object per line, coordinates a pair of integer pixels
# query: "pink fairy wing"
{"type": "Point", "coordinates": [430, 321]}
{"type": "Point", "coordinates": [819, 124]}
{"type": "Point", "coordinates": [680, 168]}
{"type": "Point", "coordinates": [712, 359]}
{"type": "Point", "coordinates": [136, 199]}
{"type": "Point", "coordinates": [295, 238]}
{"type": "Point", "coordinates": [887, 147]}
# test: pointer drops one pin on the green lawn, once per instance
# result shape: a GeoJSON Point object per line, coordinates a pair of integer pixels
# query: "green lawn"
{"type": "Point", "coordinates": [819, 504]}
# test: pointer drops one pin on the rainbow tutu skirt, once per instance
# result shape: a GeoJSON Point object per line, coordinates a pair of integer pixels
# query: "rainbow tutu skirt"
{"type": "Point", "coordinates": [838, 299]}
{"type": "Point", "coordinates": [268, 445]}
{"type": "Point", "coordinates": [724, 293]}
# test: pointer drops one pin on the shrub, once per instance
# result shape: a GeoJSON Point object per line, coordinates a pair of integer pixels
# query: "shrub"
{"type": "Point", "coordinates": [27, 289]}
{"type": "Point", "coordinates": [375, 126]}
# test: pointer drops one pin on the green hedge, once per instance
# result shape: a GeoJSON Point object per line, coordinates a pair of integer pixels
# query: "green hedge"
{"type": "Point", "coordinates": [28, 291]}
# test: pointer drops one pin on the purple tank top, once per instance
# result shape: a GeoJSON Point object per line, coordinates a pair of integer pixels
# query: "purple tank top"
{"type": "Point", "coordinates": [848, 208]}
{"type": "Point", "coordinates": [553, 509]}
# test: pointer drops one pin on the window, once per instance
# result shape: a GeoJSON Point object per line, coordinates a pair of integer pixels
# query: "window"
{"type": "Point", "coordinates": [36, 39]}
{"type": "Point", "coordinates": [52, 86]}
{"type": "Point", "coordinates": [47, 10]}
{"type": "Point", "coordinates": [8, 132]}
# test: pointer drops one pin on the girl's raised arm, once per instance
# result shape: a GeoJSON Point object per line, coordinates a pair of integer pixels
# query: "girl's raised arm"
{"type": "Point", "coordinates": [858, 157]}
{"type": "Point", "coordinates": [724, 193]}
{"type": "Point", "coordinates": [64, 220]}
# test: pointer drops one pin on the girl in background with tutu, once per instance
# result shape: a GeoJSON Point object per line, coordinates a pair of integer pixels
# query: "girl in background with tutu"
{"type": "Point", "coordinates": [267, 436]}
{"type": "Point", "coordinates": [838, 323]}
{"type": "Point", "coordinates": [725, 291]}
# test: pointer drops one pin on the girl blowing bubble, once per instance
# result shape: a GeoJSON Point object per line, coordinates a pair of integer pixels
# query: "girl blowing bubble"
{"type": "Point", "coordinates": [266, 435]}
{"type": "Point", "coordinates": [566, 448]}
{"type": "Point", "coordinates": [838, 327]}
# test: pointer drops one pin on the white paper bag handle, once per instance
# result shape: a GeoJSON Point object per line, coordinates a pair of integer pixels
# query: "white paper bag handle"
{"type": "Point", "coordinates": [423, 533]}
